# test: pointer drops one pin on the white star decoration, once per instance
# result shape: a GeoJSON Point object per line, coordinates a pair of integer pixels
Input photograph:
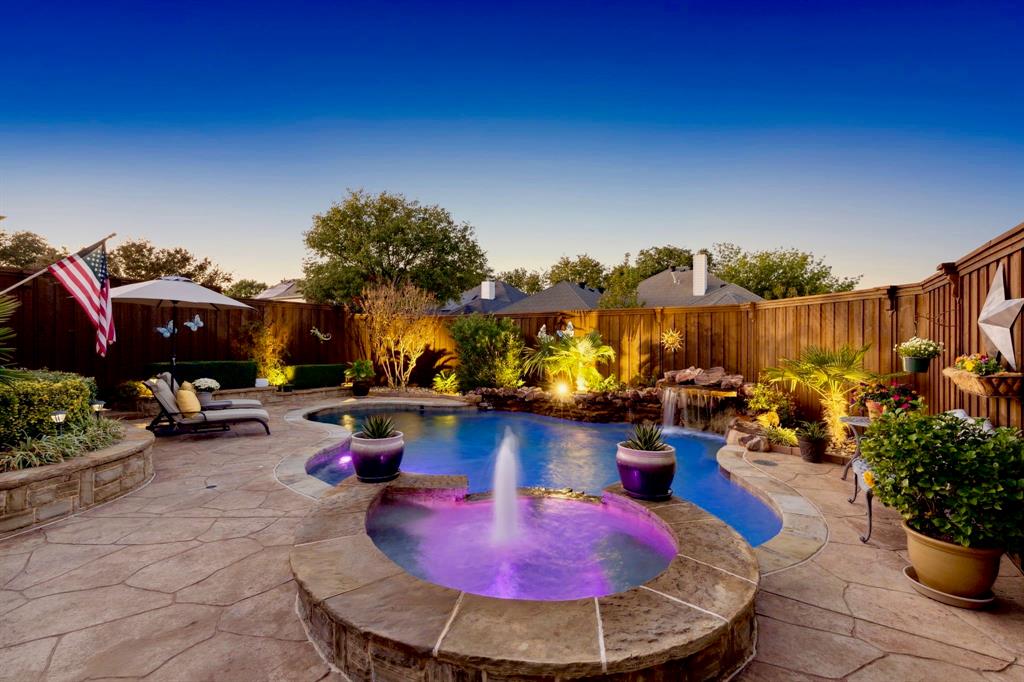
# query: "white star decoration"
{"type": "Point", "coordinates": [997, 318]}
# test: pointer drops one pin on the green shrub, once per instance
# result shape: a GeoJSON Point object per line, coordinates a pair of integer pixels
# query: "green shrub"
{"type": "Point", "coordinates": [609, 384]}
{"type": "Point", "coordinates": [229, 373]}
{"type": "Point", "coordinates": [93, 434]}
{"type": "Point", "coordinates": [490, 352]}
{"type": "Point", "coordinates": [949, 478]}
{"type": "Point", "coordinates": [447, 382]}
{"type": "Point", "coordinates": [768, 398]}
{"type": "Point", "coordinates": [780, 435]}
{"type": "Point", "coordinates": [314, 376]}
{"type": "Point", "coordinates": [26, 404]}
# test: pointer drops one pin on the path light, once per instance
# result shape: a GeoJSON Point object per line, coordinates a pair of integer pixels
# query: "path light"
{"type": "Point", "coordinates": [97, 407]}
{"type": "Point", "coordinates": [58, 417]}
{"type": "Point", "coordinates": [562, 390]}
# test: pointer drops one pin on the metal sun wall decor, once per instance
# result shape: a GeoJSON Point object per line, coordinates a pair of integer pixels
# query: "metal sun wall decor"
{"type": "Point", "coordinates": [997, 318]}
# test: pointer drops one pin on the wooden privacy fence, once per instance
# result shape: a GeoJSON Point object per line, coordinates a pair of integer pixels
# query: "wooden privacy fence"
{"type": "Point", "coordinates": [53, 332]}
{"type": "Point", "coordinates": [744, 339]}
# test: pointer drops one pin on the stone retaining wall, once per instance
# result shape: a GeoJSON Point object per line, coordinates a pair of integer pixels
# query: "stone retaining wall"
{"type": "Point", "coordinates": [38, 495]}
{"type": "Point", "coordinates": [635, 405]}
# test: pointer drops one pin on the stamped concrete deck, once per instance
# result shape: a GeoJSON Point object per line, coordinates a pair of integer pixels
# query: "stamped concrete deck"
{"type": "Point", "coordinates": [184, 581]}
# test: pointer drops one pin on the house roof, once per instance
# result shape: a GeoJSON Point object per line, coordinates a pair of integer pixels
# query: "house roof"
{"type": "Point", "coordinates": [561, 296]}
{"type": "Point", "coordinates": [470, 301]}
{"type": "Point", "coordinates": [287, 290]}
{"type": "Point", "coordinates": [673, 288]}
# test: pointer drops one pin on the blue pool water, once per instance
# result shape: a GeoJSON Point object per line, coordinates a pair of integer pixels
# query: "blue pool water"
{"type": "Point", "coordinates": [554, 453]}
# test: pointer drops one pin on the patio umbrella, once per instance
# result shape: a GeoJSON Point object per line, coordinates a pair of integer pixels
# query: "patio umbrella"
{"type": "Point", "coordinates": [170, 291]}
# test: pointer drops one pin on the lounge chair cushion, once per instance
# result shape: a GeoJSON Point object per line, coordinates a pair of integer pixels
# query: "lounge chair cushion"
{"type": "Point", "coordinates": [187, 385]}
{"type": "Point", "coordinates": [165, 396]}
{"type": "Point", "coordinates": [222, 416]}
{"type": "Point", "coordinates": [188, 402]}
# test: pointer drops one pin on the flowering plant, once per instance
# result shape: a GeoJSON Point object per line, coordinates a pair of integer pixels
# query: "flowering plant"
{"type": "Point", "coordinates": [978, 363]}
{"type": "Point", "coordinates": [207, 385]}
{"type": "Point", "coordinates": [916, 347]}
{"type": "Point", "coordinates": [892, 396]}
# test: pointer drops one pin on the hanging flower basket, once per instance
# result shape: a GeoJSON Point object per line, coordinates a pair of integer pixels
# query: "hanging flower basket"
{"type": "Point", "coordinates": [999, 385]}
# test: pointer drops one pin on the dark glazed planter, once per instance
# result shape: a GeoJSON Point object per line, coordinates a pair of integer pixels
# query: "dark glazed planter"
{"type": "Point", "coordinates": [646, 474]}
{"type": "Point", "coordinates": [377, 459]}
{"type": "Point", "coordinates": [916, 364]}
{"type": "Point", "coordinates": [812, 450]}
{"type": "Point", "coordinates": [360, 388]}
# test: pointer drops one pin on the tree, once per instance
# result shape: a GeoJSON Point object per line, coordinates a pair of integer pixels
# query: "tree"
{"type": "Point", "coordinates": [651, 261]}
{"type": "Point", "coordinates": [245, 288]}
{"type": "Point", "coordinates": [778, 273]}
{"type": "Point", "coordinates": [579, 270]}
{"type": "Point", "coordinates": [528, 281]}
{"type": "Point", "coordinates": [27, 251]}
{"type": "Point", "coordinates": [139, 259]}
{"type": "Point", "coordinates": [399, 325]}
{"type": "Point", "coordinates": [621, 288]}
{"type": "Point", "coordinates": [388, 239]}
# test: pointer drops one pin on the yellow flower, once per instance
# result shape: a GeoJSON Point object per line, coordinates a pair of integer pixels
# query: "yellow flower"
{"type": "Point", "coordinates": [869, 479]}
{"type": "Point", "coordinates": [969, 365]}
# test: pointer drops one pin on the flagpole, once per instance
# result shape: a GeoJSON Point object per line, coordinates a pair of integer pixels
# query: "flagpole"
{"type": "Point", "coordinates": [47, 268]}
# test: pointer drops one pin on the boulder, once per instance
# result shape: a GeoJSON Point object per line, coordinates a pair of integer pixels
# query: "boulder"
{"type": "Point", "coordinates": [709, 377]}
{"type": "Point", "coordinates": [730, 381]}
{"type": "Point", "coordinates": [755, 443]}
{"type": "Point", "coordinates": [687, 376]}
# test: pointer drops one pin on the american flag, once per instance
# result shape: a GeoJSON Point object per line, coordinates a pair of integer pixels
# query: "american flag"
{"type": "Point", "coordinates": [86, 278]}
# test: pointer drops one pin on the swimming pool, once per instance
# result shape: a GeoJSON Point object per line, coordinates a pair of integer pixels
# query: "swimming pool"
{"type": "Point", "coordinates": [554, 453]}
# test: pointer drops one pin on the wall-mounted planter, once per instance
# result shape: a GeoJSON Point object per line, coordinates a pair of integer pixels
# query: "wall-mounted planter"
{"type": "Point", "coordinates": [1000, 385]}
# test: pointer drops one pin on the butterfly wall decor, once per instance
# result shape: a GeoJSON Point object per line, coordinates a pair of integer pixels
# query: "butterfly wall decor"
{"type": "Point", "coordinates": [195, 324]}
{"type": "Point", "coordinates": [166, 331]}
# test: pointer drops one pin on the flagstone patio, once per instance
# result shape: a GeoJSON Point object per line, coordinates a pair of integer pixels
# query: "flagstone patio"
{"type": "Point", "coordinates": [188, 579]}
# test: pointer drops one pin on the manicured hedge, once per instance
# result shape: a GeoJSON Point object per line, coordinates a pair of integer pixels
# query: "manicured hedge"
{"type": "Point", "coordinates": [26, 404]}
{"type": "Point", "coordinates": [228, 373]}
{"type": "Point", "coordinates": [315, 376]}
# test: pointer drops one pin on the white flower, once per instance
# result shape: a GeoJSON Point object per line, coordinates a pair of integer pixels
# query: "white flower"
{"type": "Point", "coordinates": [916, 347]}
{"type": "Point", "coordinates": [206, 384]}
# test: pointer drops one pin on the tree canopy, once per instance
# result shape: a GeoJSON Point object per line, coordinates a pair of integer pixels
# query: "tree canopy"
{"type": "Point", "coordinates": [27, 251]}
{"type": "Point", "coordinates": [777, 273]}
{"type": "Point", "coordinates": [579, 270]}
{"type": "Point", "coordinates": [139, 259]}
{"type": "Point", "coordinates": [622, 282]}
{"type": "Point", "coordinates": [389, 239]}
{"type": "Point", "coordinates": [245, 288]}
{"type": "Point", "coordinates": [651, 261]}
{"type": "Point", "coordinates": [528, 281]}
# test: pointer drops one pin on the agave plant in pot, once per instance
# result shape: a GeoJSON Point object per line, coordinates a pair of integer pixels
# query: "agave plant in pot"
{"type": "Point", "coordinates": [812, 437]}
{"type": "Point", "coordinates": [646, 463]}
{"type": "Point", "coordinates": [960, 489]}
{"type": "Point", "coordinates": [377, 449]}
{"type": "Point", "coordinates": [361, 374]}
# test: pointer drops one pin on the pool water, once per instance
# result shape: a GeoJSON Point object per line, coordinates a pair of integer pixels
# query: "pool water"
{"type": "Point", "coordinates": [563, 548]}
{"type": "Point", "coordinates": [553, 453]}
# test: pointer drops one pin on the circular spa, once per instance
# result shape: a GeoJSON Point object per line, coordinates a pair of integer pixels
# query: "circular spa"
{"type": "Point", "coordinates": [437, 576]}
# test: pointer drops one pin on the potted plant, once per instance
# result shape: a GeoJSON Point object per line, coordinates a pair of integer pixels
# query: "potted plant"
{"type": "Point", "coordinates": [204, 389]}
{"type": "Point", "coordinates": [377, 449]}
{"type": "Point", "coordinates": [917, 353]}
{"type": "Point", "coordinates": [646, 463]}
{"type": "Point", "coordinates": [960, 490]}
{"type": "Point", "coordinates": [361, 374]}
{"type": "Point", "coordinates": [983, 375]}
{"type": "Point", "coordinates": [812, 437]}
{"type": "Point", "coordinates": [877, 397]}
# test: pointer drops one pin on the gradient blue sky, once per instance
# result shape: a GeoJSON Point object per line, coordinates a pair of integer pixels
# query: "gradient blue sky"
{"type": "Point", "coordinates": [884, 136]}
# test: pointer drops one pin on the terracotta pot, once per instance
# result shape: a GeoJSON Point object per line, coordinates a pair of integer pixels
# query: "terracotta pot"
{"type": "Point", "coordinates": [950, 568]}
{"type": "Point", "coordinates": [875, 409]}
{"type": "Point", "coordinates": [377, 459]}
{"type": "Point", "coordinates": [646, 474]}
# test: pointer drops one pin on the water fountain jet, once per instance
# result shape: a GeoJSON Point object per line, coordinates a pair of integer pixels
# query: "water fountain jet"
{"type": "Point", "coordinates": [505, 486]}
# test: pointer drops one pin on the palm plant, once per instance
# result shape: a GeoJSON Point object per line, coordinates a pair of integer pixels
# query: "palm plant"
{"type": "Point", "coordinates": [7, 307]}
{"type": "Point", "coordinates": [573, 358]}
{"type": "Point", "coordinates": [831, 374]}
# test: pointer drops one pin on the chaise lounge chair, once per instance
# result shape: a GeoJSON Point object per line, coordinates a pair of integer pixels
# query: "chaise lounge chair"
{"type": "Point", "coordinates": [233, 404]}
{"type": "Point", "coordinates": [170, 419]}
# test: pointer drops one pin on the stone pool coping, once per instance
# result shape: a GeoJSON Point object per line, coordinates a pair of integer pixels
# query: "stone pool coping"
{"type": "Point", "coordinates": [804, 531]}
{"type": "Point", "coordinates": [372, 620]}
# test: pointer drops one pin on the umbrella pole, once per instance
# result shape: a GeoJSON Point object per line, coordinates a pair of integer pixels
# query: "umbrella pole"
{"type": "Point", "coordinates": [174, 343]}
